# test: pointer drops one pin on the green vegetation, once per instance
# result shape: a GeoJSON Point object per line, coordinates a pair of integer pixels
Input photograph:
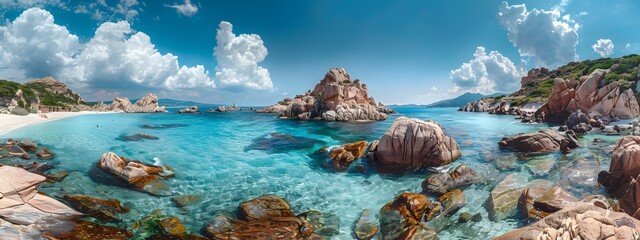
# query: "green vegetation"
{"type": "Point", "coordinates": [625, 73]}
{"type": "Point", "coordinates": [38, 91]}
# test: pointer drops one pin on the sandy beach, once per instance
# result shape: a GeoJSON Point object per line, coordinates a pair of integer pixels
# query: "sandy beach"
{"type": "Point", "coordinates": [10, 122]}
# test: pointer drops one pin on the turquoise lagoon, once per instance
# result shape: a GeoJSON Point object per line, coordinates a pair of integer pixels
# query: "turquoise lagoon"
{"type": "Point", "coordinates": [228, 158]}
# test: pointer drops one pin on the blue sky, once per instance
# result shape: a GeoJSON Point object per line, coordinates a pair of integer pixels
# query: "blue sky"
{"type": "Point", "coordinates": [405, 51]}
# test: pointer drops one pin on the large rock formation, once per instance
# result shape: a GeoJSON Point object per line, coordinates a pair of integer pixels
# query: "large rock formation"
{"type": "Point", "coordinates": [41, 94]}
{"type": "Point", "coordinates": [411, 144]}
{"type": "Point", "coordinates": [592, 95]}
{"type": "Point", "coordinates": [25, 213]}
{"type": "Point", "coordinates": [476, 106]}
{"type": "Point", "coordinates": [335, 98]}
{"type": "Point", "coordinates": [582, 220]}
{"type": "Point", "coordinates": [146, 104]}
{"type": "Point", "coordinates": [135, 174]}
{"type": "Point", "coordinates": [547, 140]}
{"type": "Point", "coordinates": [623, 174]}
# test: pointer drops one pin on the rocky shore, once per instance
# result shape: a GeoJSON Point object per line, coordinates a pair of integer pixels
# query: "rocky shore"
{"type": "Point", "coordinates": [335, 98]}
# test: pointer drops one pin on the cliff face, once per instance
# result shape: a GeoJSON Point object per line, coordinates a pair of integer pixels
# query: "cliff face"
{"type": "Point", "coordinates": [335, 98]}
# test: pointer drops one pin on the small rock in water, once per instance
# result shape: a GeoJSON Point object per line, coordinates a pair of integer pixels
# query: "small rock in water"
{"type": "Point", "coordinates": [464, 217]}
{"type": "Point", "coordinates": [476, 217]}
{"type": "Point", "coordinates": [173, 226]}
{"type": "Point", "coordinates": [452, 201]}
{"type": "Point", "coordinates": [44, 153]}
{"type": "Point", "coordinates": [186, 200]}
{"type": "Point", "coordinates": [325, 224]}
{"type": "Point", "coordinates": [57, 176]}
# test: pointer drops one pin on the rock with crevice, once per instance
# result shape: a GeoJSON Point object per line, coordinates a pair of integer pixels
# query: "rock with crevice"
{"type": "Point", "coordinates": [412, 144]}
{"type": "Point", "coordinates": [547, 140]}
{"type": "Point", "coordinates": [462, 176]}
{"type": "Point", "coordinates": [135, 174]}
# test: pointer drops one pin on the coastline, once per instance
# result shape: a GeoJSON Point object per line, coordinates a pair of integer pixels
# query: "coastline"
{"type": "Point", "coordinates": [10, 122]}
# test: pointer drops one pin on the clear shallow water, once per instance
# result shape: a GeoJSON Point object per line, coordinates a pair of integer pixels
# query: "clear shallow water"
{"type": "Point", "coordinates": [215, 156]}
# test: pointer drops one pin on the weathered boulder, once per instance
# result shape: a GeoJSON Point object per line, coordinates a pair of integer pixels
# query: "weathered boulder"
{"type": "Point", "coordinates": [335, 98]}
{"type": "Point", "coordinates": [16, 151]}
{"type": "Point", "coordinates": [324, 224]}
{"type": "Point", "coordinates": [535, 189]}
{"type": "Point", "coordinates": [504, 197]}
{"type": "Point", "coordinates": [592, 96]}
{"type": "Point", "coordinates": [477, 106]}
{"type": "Point", "coordinates": [547, 140]}
{"type": "Point", "coordinates": [578, 122]}
{"type": "Point", "coordinates": [581, 220]}
{"type": "Point", "coordinates": [622, 177]}
{"type": "Point", "coordinates": [103, 209]}
{"type": "Point", "coordinates": [28, 145]}
{"type": "Point", "coordinates": [88, 230]}
{"type": "Point", "coordinates": [186, 200]}
{"type": "Point", "coordinates": [134, 174]}
{"type": "Point", "coordinates": [411, 144]}
{"type": "Point", "coordinates": [460, 177]}
{"type": "Point", "coordinates": [553, 200]}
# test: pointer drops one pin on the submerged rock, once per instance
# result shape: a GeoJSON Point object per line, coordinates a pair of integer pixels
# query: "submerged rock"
{"type": "Point", "coordinates": [186, 200]}
{"type": "Point", "coordinates": [441, 183]}
{"type": "Point", "coordinates": [546, 140]}
{"type": "Point", "coordinates": [411, 144]}
{"type": "Point", "coordinates": [366, 227]}
{"type": "Point", "coordinates": [265, 217]}
{"type": "Point", "coordinates": [400, 219]}
{"type": "Point", "coordinates": [133, 174]}
{"type": "Point", "coordinates": [452, 201]}
{"type": "Point", "coordinates": [324, 224]}
{"type": "Point", "coordinates": [16, 151]}
{"type": "Point", "coordinates": [103, 209]}
{"type": "Point", "coordinates": [88, 230]}
{"type": "Point", "coordinates": [137, 137]}
{"type": "Point", "coordinates": [163, 126]}
{"type": "Point", "coordinates": [504, 197]}
{"type": "Point", "coordinates": [192, 109]}
{"type": "Point", "coordinates": [553, 200]}
{"type": "Point", "coordinates": [264, 207]}
{"type": "Point", "coordinates": [277, 142]}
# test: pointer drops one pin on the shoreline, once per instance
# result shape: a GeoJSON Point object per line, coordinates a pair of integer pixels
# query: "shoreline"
{"type": "Point", "coordinates": [9, 122]}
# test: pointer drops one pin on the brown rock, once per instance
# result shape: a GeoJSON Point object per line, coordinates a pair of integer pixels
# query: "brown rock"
{"type": "Point", "coordinates": [433, 211]}
{"type": "Point", "coordinates": [460, 177]}
{"type": "Point", "coordinates": [186, 200]}
{"type": "Point", "coordinates": [366, 226]}
{"type": "Point", "coordinates": [135, 174]}
{"type": "Point", "coordinates": [546, 140]}
{"type": "Point", "coordinates": [343, 156]}
{"type": "Point", "coordinates": [411, 144]}
{"type": "Point", "coordinates": [504, 197]}
{"type": "Point", "coordinates": [452, 201]}
{"type": "Point", "coordinates": [173, 226]}
{"type": "Point", "coordinates": [554, 200]}
{"type": "Point", "coordinates": [401, 218]}
{"type": "Point", "coordinates": [44, 153]}
{"type": "Point", "coordinates": [57, 176]}
{"type": "Point", "coordinates": [88, 230]}
{"type": "Point", "coordinates": [264, 208]}
{"type": "Point", "coordinates": [102, 209]}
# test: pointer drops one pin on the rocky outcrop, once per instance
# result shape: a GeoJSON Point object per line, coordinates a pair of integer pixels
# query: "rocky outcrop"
{"type": "Point", "coordinates": [582, 220]}
{"type": "Point", "coordinates": [266, 217]}
{"type": "Point", "coordinates": [335, 98]}
{"type": "Point", "coordinates": [579, 122]}
{"type": "Point", "coordinates": [133, 174]}
{"type": "Point", "coordinates": [411, 144]}
{"type": "Point", "coordinates": [623, 174]}
{"type": "Point", "coordinates": [24, 211]}
{"type": "Point", "coordinates": [225, 109]}
{"type": "Point", "coordinates": [547, 140]}
{"type": "Point", "coordinates": [342, 156]}
{"type": "Point", "coordinates": [477, 106]}
{"type": "Point", "coordinates": [192, 109]}
{"type": "Point", "coordinates": [592, 95]}
{"type": "Point", "coordinates": [146, 104]}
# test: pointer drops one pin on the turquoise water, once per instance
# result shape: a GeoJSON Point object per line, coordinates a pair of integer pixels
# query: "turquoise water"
{"type": "Point", "coordinates": [228, 158]}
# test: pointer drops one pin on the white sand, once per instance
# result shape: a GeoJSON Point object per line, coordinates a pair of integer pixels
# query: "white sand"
{"type": "Point", "coordinates": [10, 122]}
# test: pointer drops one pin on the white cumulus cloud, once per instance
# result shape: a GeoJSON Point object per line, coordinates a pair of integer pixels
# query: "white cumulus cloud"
{"type": "Point", "coordinates": [603, 47]}
{"type": "Point", "coordinates": [541, 34]}
{"type": "Point", "coordinates": [115, 58]}
{"type": "Point", "coordinates": [187, 8]}
{"type": "Point", "coordinates": [27, 3]}
{"type": "Point", "coordinates": [238, 57]}
{"type": "Point", "coordinates": [486, 73]}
